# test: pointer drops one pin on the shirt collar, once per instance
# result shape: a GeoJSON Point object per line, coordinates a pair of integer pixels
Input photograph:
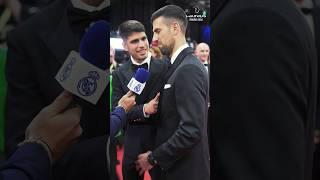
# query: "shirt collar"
{"type": "Point", "coordinates": [178, 51]}
{"type": "Point", "coordinates": [83, 6]}
{"type": "Point", "coordinates": [147, 60]}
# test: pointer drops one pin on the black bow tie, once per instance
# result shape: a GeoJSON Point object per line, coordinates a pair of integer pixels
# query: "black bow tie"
{"type": "Point", "coordinates": [81, 19]}
{"type": "Point", "coordinates": [306, 11]}
{"type": "Point", "coordinates": [135, 67]}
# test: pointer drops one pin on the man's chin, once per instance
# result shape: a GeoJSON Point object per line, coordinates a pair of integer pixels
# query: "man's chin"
{"type": "Point", "coordinates": [165, 51]}
{"type": "Point", "coordinates": [142, 57]}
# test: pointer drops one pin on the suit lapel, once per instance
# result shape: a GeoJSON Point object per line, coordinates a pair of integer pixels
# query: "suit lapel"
{"type": "Point", "coordinates": [154, 78]}
{"type": "Point", "coordinates": [62, 34]}
{"type": "Point", "coordinates": [128, 73]}
{"type": "Point", "coordinates": [171, 70]}
{"type": "Point", "coordinates": [177, 62]}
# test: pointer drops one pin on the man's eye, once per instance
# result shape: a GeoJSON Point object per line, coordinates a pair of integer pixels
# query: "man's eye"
{"type": "Point", "coordinates": [135, 41]}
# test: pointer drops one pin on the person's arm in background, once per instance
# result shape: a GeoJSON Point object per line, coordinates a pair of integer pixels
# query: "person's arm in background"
{"type": "Point", "coordinates": [48, 136]}
{"type": "Point", "coordinates": [118, 115]}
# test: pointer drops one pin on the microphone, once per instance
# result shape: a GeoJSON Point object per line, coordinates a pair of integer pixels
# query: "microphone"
{"type": "Point", "coordinates": [94, 45]}
{"type": "Point", "coordinates": [84, 74]}
{"type": "Point", "coordinates": [138, 82]}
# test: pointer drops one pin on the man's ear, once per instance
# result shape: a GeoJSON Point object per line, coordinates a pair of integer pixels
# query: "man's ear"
{"type": "Point", "coordinates": [175, 28]}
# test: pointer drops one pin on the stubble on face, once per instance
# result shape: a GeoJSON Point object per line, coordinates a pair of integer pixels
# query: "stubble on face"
{"type": "Point", "coordinates": [167, 49]}
{"type": "Point", "coordinates": [162, 29]}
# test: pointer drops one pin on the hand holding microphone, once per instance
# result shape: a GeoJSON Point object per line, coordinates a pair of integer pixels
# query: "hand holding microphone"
{"type": "Point", "coordinates": [56, 126]}
{"type": "Point", "coordinates": [127, 101]}
{"type": "Point", "coordinates": [136, 85]}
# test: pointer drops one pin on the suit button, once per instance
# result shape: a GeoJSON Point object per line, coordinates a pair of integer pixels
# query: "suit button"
{"type": "Point", "coordinates": [137, 120]}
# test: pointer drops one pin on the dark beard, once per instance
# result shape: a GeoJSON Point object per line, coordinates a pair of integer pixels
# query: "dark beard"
{"type": "Point", "coordinates": [165, 51]}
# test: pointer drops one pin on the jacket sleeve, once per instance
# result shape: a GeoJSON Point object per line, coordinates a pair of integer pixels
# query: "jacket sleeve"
{"type": "Point", "coordinates": [117, 120]}
{"type": "Point", "coordinates": [29, 162]}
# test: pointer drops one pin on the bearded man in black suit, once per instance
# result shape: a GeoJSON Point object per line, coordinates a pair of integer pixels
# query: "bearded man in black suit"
{"type": "Point", "coordinates": [181, 143]}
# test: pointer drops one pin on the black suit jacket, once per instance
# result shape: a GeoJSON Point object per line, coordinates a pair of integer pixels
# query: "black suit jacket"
{"type": "Point", "coordinates": [316, 20]}
{"type": "Point", "coordinates": [264, 91]}
{"type": "Point", "coordinates": [139, 133]}
{"type": "Point", "coordinates": [181, 142]}
{"type": "Point", "coordinates": [36, 51]}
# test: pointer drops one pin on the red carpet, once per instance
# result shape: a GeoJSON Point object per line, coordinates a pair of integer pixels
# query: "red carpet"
{"type": "Point", "coordinates": [119, 169]}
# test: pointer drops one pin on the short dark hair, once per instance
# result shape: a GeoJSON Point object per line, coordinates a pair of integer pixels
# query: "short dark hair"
{"type": "Point", "coordinates": [172, 12]}
{"type": "Point", "coordinates": [128, 27]}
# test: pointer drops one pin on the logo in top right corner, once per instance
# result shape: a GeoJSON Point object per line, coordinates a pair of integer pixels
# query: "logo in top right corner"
{"type": "Point", "coordinates": [196, 14]}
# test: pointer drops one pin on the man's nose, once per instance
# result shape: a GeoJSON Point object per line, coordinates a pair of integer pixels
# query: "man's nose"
{"type": "Point", "coordinates": [155, 38]}
{"type": "Point", "coordinates": [141, 43]}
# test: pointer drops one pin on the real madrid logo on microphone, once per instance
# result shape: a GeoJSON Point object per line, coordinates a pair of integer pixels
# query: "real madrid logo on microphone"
{"type": "Point", "coordinates": [88, 85]}
{"type": "Point", "coordinates": [68, 69]}
{"type": "Point", "coordinates": [137, 88]}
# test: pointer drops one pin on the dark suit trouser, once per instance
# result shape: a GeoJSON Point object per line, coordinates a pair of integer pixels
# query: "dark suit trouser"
{"type": "Point", "coordinates": [130, 173]}
{"type": "Point", "coordinates": [316, 163]}
{"type": "Point", "coordinates": [138, 139]}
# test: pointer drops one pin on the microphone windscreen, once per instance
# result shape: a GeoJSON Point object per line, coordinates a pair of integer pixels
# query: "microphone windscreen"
{"type": "Point", "coordinates": [142, 75]}
{"type": "Point", "coordinates": [94, 45]}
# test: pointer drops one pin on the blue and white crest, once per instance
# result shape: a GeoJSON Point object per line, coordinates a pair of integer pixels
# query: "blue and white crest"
{"type": "Point", "coordinates": [67, 70]}
{"type": "Point", "coordinates": [88, 85]}
{"type": "Point", "coordinates": [137, 88]}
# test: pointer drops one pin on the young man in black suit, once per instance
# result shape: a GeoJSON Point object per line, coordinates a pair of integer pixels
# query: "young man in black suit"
{"type": "Point", "coordinates": [181, 149]}
{"type": "Point", "coordinates": [139, 132]}
{"type": "Point", "coordinates": [36, 51]}
{"type": "Point", "coordinates": [264, 91]}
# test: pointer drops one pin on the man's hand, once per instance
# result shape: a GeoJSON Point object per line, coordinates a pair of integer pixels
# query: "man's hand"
{"type": "Point", "coordinates": [142, 164]}
{"type": "Point", "coordinates": [152, 106]}
{"type": "Point", "coordinates": [127, 101]}
{"type": "Point", "coordinates": [57, 125]}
